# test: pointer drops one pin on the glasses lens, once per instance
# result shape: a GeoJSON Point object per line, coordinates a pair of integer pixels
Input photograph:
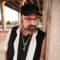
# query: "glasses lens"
{"type": "Point", "coordinates": [34, 19]}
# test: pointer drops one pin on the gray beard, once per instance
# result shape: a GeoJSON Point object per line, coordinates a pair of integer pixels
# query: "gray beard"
{"type": "Point", "coordinates": [30, 29]}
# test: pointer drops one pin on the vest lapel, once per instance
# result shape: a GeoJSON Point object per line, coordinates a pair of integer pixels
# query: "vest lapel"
{"type": "Point", "coordinates": [16, 44]}
{"type": "Point", "coordinates": [32, 47]}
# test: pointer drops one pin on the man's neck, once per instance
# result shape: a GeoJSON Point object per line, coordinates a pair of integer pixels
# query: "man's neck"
{"type": "Point", "coordinates": [24, 32]}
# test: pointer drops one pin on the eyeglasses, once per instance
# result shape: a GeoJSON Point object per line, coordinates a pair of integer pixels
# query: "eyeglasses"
{"type": "Point", "coordinates": [30, 19]}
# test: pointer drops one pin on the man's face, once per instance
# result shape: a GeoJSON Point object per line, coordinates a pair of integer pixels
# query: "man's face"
{"type": "Point", "coordinates": [29, 23]}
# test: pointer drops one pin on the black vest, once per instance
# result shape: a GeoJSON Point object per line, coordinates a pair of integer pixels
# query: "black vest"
{"type": "Point", "coordinates": [10, 52]}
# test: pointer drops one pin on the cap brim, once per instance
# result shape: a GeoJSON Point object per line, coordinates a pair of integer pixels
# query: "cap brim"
{"type": "Point", "coordinates": [31, 12]}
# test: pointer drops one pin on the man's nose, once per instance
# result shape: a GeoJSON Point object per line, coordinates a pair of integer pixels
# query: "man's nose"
{"type": "Point", "coordinates": [32, 22]}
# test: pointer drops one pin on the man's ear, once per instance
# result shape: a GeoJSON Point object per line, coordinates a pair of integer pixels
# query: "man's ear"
{"type": "Point", "coordinates": [21, 18]}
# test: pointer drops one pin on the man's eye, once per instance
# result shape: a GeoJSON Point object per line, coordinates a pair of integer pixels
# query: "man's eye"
{"type": "Point", "coordinates": [26, 18]}
{"type": "Point", "coordinates": [29, 18]}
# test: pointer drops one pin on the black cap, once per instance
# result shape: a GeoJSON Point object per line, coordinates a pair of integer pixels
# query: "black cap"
{"type": "Point", "coordinates": [30, 8]}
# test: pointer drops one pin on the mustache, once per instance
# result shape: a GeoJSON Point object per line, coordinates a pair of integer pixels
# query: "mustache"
{"type": "Point", "coordinates": [32, 26]}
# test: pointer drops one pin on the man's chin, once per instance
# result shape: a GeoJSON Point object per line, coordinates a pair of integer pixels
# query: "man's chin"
{"type": "Point", "coordinates": [31, 30]}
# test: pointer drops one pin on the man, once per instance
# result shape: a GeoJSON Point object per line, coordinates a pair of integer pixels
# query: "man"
{"type": "Point", "coordinates": [26, 42]}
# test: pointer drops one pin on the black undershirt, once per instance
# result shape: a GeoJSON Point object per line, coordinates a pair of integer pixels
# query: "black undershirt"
{"type": "Point", "coordinates": [22, 54]}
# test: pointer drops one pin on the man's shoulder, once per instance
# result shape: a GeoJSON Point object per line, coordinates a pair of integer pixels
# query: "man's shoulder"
{"type": "Point", "coordinates": [14, 28]}
{"type": "Point", "coordinates": [40, 30]}
{"type": "Point", "coordinates": [41, 34]}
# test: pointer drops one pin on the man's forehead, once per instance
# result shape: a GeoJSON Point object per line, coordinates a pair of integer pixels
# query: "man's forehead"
{"type": "Point", "coordinates": [32, 15]}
